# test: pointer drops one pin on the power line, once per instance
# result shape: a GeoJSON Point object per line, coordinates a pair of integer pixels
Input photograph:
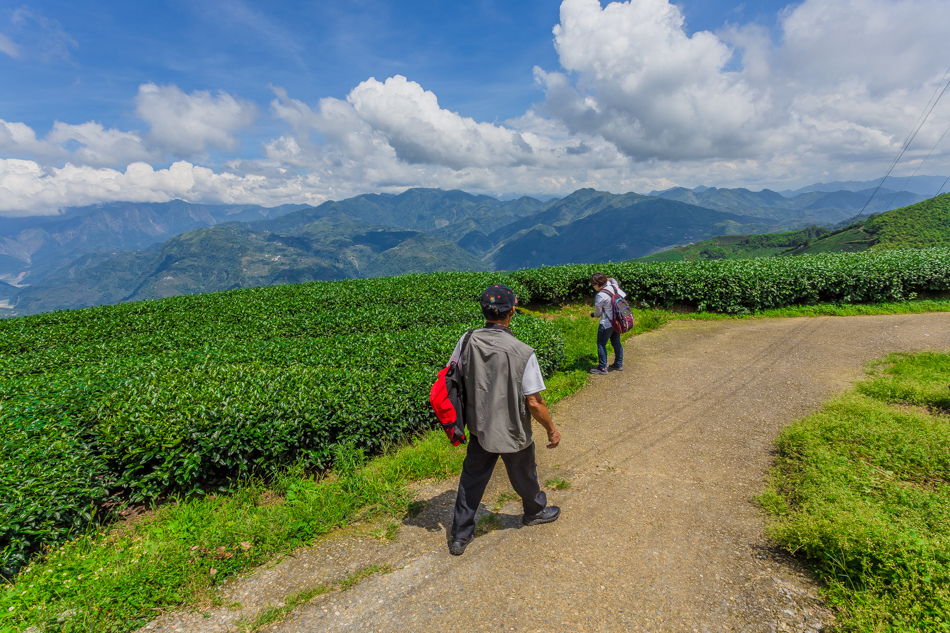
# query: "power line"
{"type": "Point", "coordinates": [913, 134]}
{"type": "Point", "coordinates": [921, 164]}
{"type": "Point", "coordinates": [943, 185]}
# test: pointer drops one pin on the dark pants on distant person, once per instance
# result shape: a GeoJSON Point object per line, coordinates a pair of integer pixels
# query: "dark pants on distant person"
{"type": "Point", "coordinates": [476, 472]}
{"type": "Point", "coordinates": [605, 334]}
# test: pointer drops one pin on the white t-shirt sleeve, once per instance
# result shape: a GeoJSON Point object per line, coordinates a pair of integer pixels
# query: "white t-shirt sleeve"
{"type": "Point", "coordinates": [533, 381]}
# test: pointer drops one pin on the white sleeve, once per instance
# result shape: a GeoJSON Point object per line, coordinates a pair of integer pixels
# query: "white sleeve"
{"type": "Point", "coordinates": [533, 381]}
{"type": "Point", "coordinates": [457, 352]}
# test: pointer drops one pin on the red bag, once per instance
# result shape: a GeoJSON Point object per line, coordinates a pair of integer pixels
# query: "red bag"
{"type": "Point", "coordinates": [447, 398]}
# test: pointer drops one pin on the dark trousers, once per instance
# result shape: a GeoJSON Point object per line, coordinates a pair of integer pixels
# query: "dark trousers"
{"type": "Point", "coordinates": [605, 334]}
{"type": "Point", "coordinates": [476, 472]}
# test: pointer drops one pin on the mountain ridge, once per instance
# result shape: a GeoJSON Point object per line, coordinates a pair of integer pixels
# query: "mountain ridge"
{"type": "Point", "coordinates": [418, 230]}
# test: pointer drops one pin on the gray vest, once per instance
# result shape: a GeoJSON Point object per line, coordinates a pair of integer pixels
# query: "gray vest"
{"type": "Point", "coordinates": [495, 411]}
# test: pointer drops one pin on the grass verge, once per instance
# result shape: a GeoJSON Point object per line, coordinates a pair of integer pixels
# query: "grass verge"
{"type": "Point", "coordinates": [117, 580]}
{"type": "Point", "coordinates": [861, 489]}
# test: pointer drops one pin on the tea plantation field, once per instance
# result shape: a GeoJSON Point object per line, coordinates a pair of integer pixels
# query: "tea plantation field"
{"type": "Point", "coordinates": [142, 399]}
{"type": "Point", "coordinates": [135, 401]}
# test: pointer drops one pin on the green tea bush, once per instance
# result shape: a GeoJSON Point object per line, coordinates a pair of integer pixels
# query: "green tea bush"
{"type": "Point", "coordinates": [133, 401]}
{"type": "Point", "coordinates": [743, 286]}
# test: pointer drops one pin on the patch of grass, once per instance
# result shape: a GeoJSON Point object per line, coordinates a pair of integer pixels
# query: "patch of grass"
{"type": "Point", "coordinates": [486, 523]}
{"type": "Point", "coordinates": [502, 499]}
{"type": "Point", "coordinates": [861, 489]}
{"type": "Point", "coordinates": [836, 309]}
{"type": "Point", "coordinates": [563, 384]}
{"type": "Point", "coordinates": [273, 615]}
{"type": "Point", "coordinates": [389, 531]}
{"type": "Point", "coordinates": [116, 580]}
{"type": "Point", "coordinates": [557, 483]}
{"type": "Point", "coordinates": [916, 379]}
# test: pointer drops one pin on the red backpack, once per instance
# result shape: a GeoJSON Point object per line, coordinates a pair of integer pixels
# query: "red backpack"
{"type": "Point", "coordinates": [447, 397]}
{"type": "Point", "coordinates": [622, 319]}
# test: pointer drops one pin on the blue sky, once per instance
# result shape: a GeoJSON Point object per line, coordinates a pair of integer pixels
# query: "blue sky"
{"type": "Point", "coordinates": [303, 101]}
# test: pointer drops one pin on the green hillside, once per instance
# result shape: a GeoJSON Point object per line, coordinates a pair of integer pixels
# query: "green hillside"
{"type": "Point", "coordinates": [922, 225]}
{"type": "Point", "coordinates": [917, 226]}
{"type": "Point", "coordinates": [137, 400]}
{"type": "Point", "coordinates": [740, 246]}
{"type": "Point", "coordinates": [415, 209]}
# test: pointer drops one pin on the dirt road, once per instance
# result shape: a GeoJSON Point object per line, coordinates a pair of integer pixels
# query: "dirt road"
{"type": "Point", "coordinates": [658, 532]}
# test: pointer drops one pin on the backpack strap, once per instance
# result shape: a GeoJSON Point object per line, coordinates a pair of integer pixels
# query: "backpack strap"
{"type": "Point", "coordinates": [465, 339]}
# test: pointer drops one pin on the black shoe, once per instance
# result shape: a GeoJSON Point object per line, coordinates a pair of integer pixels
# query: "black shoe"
{"type": "Point", "coordinates": [457, 547]}
{"type": "Point", "coordinates": [548, 515]}
{"type": "Point", "coordinates": [615, 367]}
{"type": "Point", "coordinates": [598, 371]}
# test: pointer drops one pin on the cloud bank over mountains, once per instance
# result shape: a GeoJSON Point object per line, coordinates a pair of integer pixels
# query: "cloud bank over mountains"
{"type": "Point", "coordinates": [638, 104]}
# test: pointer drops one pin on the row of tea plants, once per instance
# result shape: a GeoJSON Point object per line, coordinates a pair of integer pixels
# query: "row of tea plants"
{"type": "Point", "coordinates": [744, 286]}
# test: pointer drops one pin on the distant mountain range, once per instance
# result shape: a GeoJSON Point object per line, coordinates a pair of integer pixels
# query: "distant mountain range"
{"type": "Point", "coordinates": [125, 252]}
{"type": "Point", "coordinates": [33, 247]}
{"type": "Point", "coordinates": [924, 186]}
{"type": "Point", "coordinates": [807, 207]}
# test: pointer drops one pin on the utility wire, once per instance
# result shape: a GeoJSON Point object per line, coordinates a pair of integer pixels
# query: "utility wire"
{"type": "Point", "coordinates": [943, 185]}
{"type": "Point", "coordinates": [910, 137]}
{"type": "Point", "coordinates": [921, 164]}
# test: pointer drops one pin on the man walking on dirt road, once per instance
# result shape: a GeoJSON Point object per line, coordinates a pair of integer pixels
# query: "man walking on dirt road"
{"type": "Point", "coordinates": [503, 385]}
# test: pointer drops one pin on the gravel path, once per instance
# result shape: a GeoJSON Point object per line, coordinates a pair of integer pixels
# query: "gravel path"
{"type": "Point", "coordinates": [658, 530]}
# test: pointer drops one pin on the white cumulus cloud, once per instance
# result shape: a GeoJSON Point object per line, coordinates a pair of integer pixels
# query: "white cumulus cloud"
{"type": "Point", "coordinates": [28, 188]}
{"type": "Point", "coordinates": [422, 132]}
{"type": "Point", "coordinates": [188, 124]}
{"type": "Point", "coordinates": [19, 139]}
{"type": "Point", "coordinates": [645, 85]}
{"type": "Point", "coordinates": [844, 82]}
{"type": "Point", "coordinates": [100, 147]}
{"type": "Point", "coordinates": [394, 134]}
{"type": "Point", "coordinates": [85, 144]}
